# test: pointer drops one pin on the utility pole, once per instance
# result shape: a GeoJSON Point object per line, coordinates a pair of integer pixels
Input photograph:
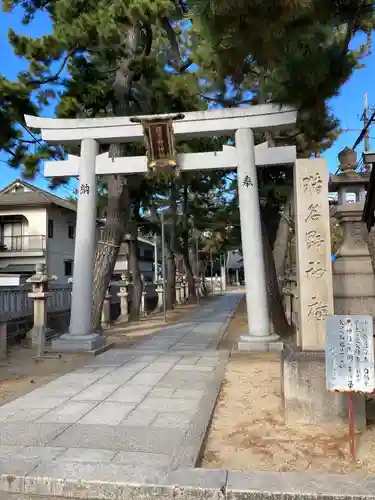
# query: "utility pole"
{"type": "Point", "coordinates": [366, 138]}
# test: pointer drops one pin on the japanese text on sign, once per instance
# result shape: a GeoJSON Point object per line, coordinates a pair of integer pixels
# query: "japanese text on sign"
{"type": "Point", "coordinates": [349, 354]}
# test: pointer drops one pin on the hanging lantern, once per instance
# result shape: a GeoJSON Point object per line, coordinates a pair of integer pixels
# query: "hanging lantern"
{"type": "Point", "coordinates": [159, 141]}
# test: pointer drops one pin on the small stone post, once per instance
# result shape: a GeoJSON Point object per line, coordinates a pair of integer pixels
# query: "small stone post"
{"type": "Point", "coordinates": [160, 292]}
{"type": "Point", "coordinates": [123, 294]}
{"type": "Point", "coordinates": [223, 279]}
{"type": "Point", "coordinates": [106, 311]}
{"type": "Point", "coordinates": [143, 298]}
{"type": "Point", "coordinates": [178, 291]}
{"type": "Point", "coordinates": [186, 284]}
{"type": "Point", "coordinates": [143, 303]}
{"type": "Point", "coordinates": [182, 292]}
{"type": "Point", "coordinates": [39, 293]}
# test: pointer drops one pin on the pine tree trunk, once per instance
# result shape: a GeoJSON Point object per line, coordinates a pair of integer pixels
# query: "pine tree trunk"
{"type": "Point", "coordinates": [135, 306]}
{"type": "Point", "coordinates": [171, 278]}
{"type": "Point", "coordinates": [189, 273]}
{"type": "Point", "coordinates": [111, 237]}
{"type": "Point", "coordinates": [280, 247]}
{"type": "Point", "coordinates": [276, 308]}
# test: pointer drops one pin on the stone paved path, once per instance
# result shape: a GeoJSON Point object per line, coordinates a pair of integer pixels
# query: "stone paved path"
{"type": "Point", "coordinates": [134, 414]}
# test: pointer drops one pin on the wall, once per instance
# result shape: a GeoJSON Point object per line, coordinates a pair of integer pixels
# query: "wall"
{"type": "Point", "coordinates": [36, 225]}
{"type": "Point", "coordinates": [146, 265]}
{"type": "Point", "coordinates": [36, 217]}
{"type": "Point", "coordinates": [60, 247]}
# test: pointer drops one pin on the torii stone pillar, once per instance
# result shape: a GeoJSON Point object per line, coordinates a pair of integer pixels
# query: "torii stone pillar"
{"type": "Point", "coordinates": [244, 156]}
{"type": "Point", "coordinates": [252, 247]}
{"type": "Point", "coordinates": [80, 336]}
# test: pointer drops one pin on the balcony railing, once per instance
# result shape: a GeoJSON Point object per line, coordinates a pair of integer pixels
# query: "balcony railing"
{"type": "Point", "coordinates": [24, 243]}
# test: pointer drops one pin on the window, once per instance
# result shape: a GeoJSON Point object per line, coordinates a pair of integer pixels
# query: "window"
{"type": "Point", "coordinates": [148, 254]}
{"type": "Point", "coordinates": [50, 228]}
{"type": "Point", "coordinates": [71, 231]}
{"type": "Point", "coordinates": [68, 267]}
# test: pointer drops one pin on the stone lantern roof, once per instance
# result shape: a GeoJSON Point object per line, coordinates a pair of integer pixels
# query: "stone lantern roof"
{"type": "Point", "coordinates": [348, 175]}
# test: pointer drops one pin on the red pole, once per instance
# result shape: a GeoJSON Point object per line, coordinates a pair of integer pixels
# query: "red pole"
{"type": "Point", "coordinates": [352, 439]}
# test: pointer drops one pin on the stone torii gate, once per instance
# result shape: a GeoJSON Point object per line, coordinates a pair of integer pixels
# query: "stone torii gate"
{"type": "Point", "coordinates": [90, 132]}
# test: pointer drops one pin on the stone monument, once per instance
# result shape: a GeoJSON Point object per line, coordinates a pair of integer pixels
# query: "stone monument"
{"type": "Point", "coordinates": [305, 397]}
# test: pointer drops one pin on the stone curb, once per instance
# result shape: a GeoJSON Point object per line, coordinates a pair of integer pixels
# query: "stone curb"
{"type": "Point", "coordinates": [197, 484]}
{"type": "Point", "coordinates": [189, 449]}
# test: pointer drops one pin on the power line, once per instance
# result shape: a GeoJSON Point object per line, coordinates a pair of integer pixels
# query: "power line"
{"type": "Point", "coordinates": [68, 188]}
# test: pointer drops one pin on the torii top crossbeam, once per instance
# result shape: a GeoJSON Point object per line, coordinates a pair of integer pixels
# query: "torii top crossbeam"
{"type": "Point", "coordinates": [194, 124]}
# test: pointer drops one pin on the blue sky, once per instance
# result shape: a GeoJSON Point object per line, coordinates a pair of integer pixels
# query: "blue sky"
{"type": "Point", "coordinates": [348, 106]}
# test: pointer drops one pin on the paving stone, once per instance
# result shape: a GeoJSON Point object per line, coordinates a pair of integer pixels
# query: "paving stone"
{"type": "Point", "coordinates": [129, 394]}
{"type": "Point", "coordinates": [79, 379]}
{"type": "Point", "coordinates": [162, 392]}
{"type": "Point", "coordinates": [136, 365]}
{"type": "Point", "coordinates": [86, 455]}
{"type": "Point", "coordinates": [141, 459]}
{"type": "Point", "coordinates": [85, 369]}
{"type": "Point", "coordinates": [28, 402]}
{"type": "Point", "coordinates": [118, 438]}
{"type": "Point", "coordinates": [140, 418]}
{"type": "Point", "coordinates": [120, 378]}
{"type": "Point", "coordinates": [188, 394]}
{"type": "Point", "coordinates": [30, 415]}
{"type": "Point", "coordinates": [108, 413]}
{"type": "Point", "coordinates": [147, 379]}
{"type": "Point", "coordinates": [68, 413]}
{"type": "Point", "coordinates": [56, 391]}
{"type": "Point", "coordinates": [21, 434]}
{"type": "Point", "coordinates": [40, 453]}
{"type": "Point", "coordinates": [171, 420]}
{"type": "Point", "coordinates": [193, 368]}
{"type": "Point", "coordinates": [96, 392]}
{"type": "Point", "coordinates": [6, 412]}
{"type": "Point", "coordinates": [168, 404]}
{"type": "Point", "coordinates": [189, 360]}
{"type": "Point", "coordinates": [8, 451]}
{"type": "Point", "coordinates": [158, 368]}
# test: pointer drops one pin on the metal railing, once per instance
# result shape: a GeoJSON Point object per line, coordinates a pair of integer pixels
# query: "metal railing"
{"type": "Point", "coordinates": [24, 243]}
{"type": "Point", "coordinates": [15, 303]}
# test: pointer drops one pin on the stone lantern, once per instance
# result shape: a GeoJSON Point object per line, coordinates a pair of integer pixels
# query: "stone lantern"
{"type": "Point", "coordinates": [124, 294]}
{"type": "Point", "coordinates": [353, 280]}
{"type": "Point", "coordinates": [40, 294]}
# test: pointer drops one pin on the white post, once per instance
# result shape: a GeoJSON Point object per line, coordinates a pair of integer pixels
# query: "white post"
{"type": "Point", "coordinates": [252, 247]}
{"type": "Point", "coordinates": [156, 260]}
{"type": "Point", "coordinates": [80, 336]}
{"type": "Point", "coordinates": [223, 279]}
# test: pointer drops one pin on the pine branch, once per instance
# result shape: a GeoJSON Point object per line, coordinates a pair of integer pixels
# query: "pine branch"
{"type": "Point", "coordinates": [56, 76]}
{"type": "Point", "coordinates": [227, 103]}
{"type": "Point", "coordinates": [176, 62]}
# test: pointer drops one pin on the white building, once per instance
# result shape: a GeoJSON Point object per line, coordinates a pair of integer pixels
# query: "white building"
{"type": "Point", "coordinates": [39, 227]}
